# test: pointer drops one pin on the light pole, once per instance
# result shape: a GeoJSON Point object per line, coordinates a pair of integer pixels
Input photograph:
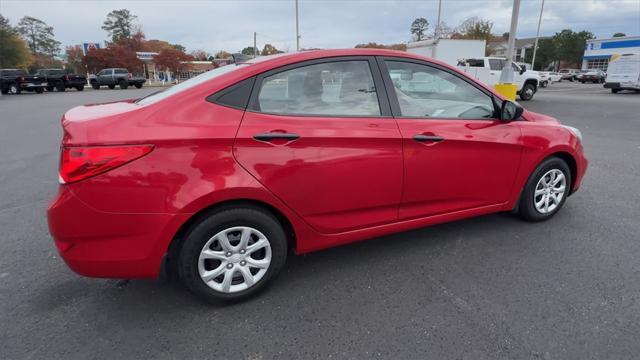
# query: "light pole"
{"type": "Point", "coordinates": [297, 29]}
{"type": "Point", "coordinates": [437, 32]}
{"type": "Point", "coordinates": [507, 76]}
{"type": "Point", "coordinates": [506, 86]}
{"type": "Point", "coordinates": [535, 45]}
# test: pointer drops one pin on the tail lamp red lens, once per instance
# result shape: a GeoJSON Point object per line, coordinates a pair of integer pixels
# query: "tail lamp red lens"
{"type": "Point", "coordinates": [79, 163]}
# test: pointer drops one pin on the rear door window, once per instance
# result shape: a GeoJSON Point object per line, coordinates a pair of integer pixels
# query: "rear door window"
{"type": "Point", "coordinates": [340, 88]}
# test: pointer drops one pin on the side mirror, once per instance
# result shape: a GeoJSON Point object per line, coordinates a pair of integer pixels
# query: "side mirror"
{"type": "Point", "coordinates": [522, 70]}
{"type": "Point", "coordinates": [510, 111]}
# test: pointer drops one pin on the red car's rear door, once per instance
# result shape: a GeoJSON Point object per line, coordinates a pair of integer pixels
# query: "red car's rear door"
{"type": "Point", "coordinates": [457, 155]}
{"type": "Point", "coordinates": [319, 135]}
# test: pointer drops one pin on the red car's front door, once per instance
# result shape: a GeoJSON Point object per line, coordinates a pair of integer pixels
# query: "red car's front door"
{"type": "Point", "coordinates": [320, 137]}
{"type": "Point", "coordinates": [457, 156]}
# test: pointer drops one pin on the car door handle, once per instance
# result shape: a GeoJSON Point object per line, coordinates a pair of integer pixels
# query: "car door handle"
{"type": "Point", "coordinates": [425, 138]}
{"type": "Point", "coordinates": [275, 136]}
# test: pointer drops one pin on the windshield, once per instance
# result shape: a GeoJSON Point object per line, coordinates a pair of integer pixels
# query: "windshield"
{"type": "Point", "coordinates": [153, 98]}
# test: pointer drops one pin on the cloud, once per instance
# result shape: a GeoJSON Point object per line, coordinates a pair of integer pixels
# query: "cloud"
{"type": "Point", "coordinates": [229, 25]}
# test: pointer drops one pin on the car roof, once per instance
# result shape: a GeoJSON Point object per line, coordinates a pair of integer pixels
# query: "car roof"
{"type": "Point", "coordinates": [263, 64]}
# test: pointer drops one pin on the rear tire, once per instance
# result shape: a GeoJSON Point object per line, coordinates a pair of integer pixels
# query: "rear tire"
{"type": "Point", "coordinates": [14, 89]}
{"type": "Point", "coordinates": [39, 90]}
{"type": "Point", "coordinates": [80, 87]}
{"type": "Point", "coordinates": [614, 91]}
{"type": "Point", "coordinates": [50, 88]}
{"type": "Point", "coordinates": [546, 190]}
{"type": "Point", "coordinates": [231, 271]}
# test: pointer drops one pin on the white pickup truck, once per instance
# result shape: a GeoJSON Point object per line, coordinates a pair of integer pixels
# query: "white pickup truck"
{"type": "Point", "coordinates": [488, 70]}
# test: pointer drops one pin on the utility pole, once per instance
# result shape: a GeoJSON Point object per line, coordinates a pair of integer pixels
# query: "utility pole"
{"type": "Point", "coordinates": [297, 29]}
{"type": "Point", "coordinates": [437, 32]}
{"type": "Point", "coordinates": [506, 77]}
{"type": "Point", "coordinates": [535, 46]}
{"type": "Point", "coordinates": [255, 47]}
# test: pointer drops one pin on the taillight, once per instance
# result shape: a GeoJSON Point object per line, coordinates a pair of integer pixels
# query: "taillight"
{"type": "Point", "coordinates": [20, 79]}
{"type": "Point", "coordinates": [66, 78]}
{"type": "Point", "coordinates": [129, 76]}
{"type": "Point", "coordinates": [79, 163]}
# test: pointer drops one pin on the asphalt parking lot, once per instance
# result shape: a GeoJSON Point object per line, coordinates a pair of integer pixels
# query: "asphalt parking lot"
{"type": "Point", "coordinates": [492, 287]}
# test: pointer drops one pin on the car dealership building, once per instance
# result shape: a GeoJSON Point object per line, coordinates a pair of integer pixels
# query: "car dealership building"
{"type": "Point", "coordinates": [599, 52]}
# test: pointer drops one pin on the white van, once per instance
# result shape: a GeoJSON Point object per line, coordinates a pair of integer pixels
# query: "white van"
{"type": "Point", "coordinates": [623, 73]}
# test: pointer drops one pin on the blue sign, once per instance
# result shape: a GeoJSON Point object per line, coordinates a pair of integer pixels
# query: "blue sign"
{"type": "Point", "coordinates": [86, 47]}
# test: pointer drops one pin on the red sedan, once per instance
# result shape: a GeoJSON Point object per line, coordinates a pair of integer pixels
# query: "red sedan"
{"type": "Point", "coordinates": [217, 178]}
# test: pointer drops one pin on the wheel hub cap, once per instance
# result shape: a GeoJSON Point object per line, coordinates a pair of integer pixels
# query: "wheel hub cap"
{"type": "Point", "coordinates": [234, 259]}
{"type": "Point", "coordinates": [549, 191]}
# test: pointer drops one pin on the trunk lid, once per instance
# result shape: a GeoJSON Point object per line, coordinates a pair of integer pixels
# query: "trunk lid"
{"type": "Point", "coordinates": [101, 123]}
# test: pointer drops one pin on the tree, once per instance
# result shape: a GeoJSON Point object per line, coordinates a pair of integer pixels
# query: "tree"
{"type": "Point", "coordinates": [373, 45]}
{"type": "Point", "coordinates": [222, 55]}
{"type": "Point", "coordinates": [156, 45]}
{"type": "Point", "coordinates": [179, 47]}
{"type": "Point", "coordinates": [570, 45]}
{"type": "Point", "coordinates": [199, 55]}
{"type": "Point", "coordinates": [74, 58]}
{"type": "Point", "coordinates": [475, 29]}
{"type": "Point", "coordinates": [111, 57]}
{"type": "Point", "coordinates": [419, 28]}
{"type": "Point", "coordinates": [14, 52]}
{"type": "Point", "coordinates": [39, 36]}
{"type": "Point", "coordinates": [443, 31]}
{"type": "Point", "coordinates": [249, 50]}
{"type": "Point", "coordinates": [119, 24]}
{"type": "Point", "coordinates": [269, 49]}
{"type": "Point", "coordinates": [545, 55]}
{"type": "Point", "coordinates": [619, 34]}
{"type": "Point", "coordinates": [172, 60]}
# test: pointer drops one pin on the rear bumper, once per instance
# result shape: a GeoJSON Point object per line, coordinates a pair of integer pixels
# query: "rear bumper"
{"type": "Point", "coordinates": [109, 245]}
{"type": "Point", "coordinates": [76, 82]}
{"type": "Point", "coordinates": [32, 86]}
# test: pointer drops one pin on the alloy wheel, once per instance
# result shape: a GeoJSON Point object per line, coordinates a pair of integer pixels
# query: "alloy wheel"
{"type": "Point", "coordinates": [549, 191]}
{"type": "Point", "coordinates": [234, 259]}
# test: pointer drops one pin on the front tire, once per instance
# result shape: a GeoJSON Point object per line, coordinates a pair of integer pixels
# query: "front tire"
{"type": "Point", "coordinates": [546, 190]}
{"type": "Point", "coordinates": [39, 90]}
{"type": "Point", "coordinates": [80, 87]}
{"type": "Point", "coordinates": [232, 254]}
{"type": "Point", "coordinates": [527, 92]}
{"type": "Point", "coordinates": [139, 86]}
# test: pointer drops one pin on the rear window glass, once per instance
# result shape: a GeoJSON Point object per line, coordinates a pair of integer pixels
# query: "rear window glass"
{"type": "Point", "coordinates": [194, 81]}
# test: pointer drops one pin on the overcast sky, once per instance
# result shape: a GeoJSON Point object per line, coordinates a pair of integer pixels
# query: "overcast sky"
{"type": "Point", "coordinates": [229, 25]}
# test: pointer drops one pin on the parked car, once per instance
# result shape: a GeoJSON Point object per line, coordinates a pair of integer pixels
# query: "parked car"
{"type": "Point", "coordinates": [547, 78]}
{"type": "Point", "coordinates": [569, 74]}
{"type": "Point", "coordinates": [593, 76]}
{"type": "Point", "coordinates": [213, 180]}
{"type": "Point", "coordinates": [15, 81]}
{"type": "Point", "coordinates": [60, 80]}
{"type": "Point", "coordinates": [113, 77]}
{"type": "Point", "coordinates": [623, 73]}
{"type": "Point", "coordinates": [489, 69]}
